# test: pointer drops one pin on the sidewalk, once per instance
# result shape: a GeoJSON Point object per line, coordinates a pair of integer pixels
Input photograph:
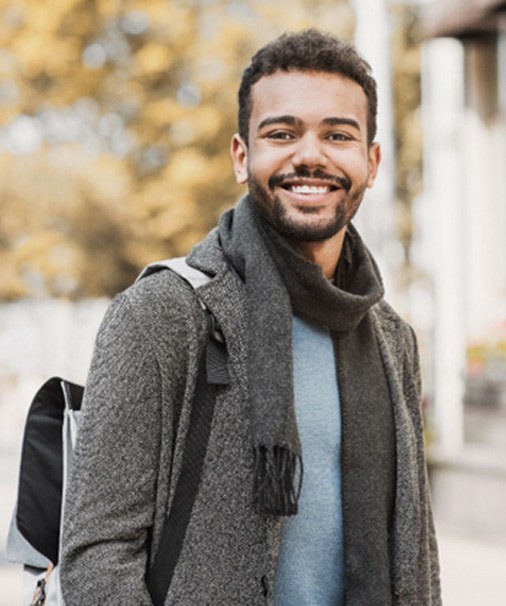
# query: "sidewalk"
{"type": "Point", "coordinates": [472, 573]}
{"type": "Point", "coordinates": [10, 585]}
{"type": "Point", "coordinates": [10, 574]}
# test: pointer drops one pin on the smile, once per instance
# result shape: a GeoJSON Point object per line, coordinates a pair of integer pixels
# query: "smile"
{"type": "Point", "coordinates": [310, 190]}
{"type": "Point", "coordinates": [309, 183]}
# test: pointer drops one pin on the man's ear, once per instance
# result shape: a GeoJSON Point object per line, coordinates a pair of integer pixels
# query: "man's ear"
{"type": "Point", "coordinates": [374, 159]}
{"type": "Point", "coordinates": [239, 152]}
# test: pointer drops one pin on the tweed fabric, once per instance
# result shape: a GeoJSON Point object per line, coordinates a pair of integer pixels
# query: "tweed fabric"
{"type": "Point", "coordinates": [128, 456]}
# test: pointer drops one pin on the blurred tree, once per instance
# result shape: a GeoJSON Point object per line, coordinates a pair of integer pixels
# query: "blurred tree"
{"type": "Point", "coordinates": [117, 119]}
{"type": "Point", "coordinates": [406, 62]}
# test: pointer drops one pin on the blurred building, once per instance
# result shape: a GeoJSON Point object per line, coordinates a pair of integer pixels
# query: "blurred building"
{"type": "Point", "coordinates": [464, 218]}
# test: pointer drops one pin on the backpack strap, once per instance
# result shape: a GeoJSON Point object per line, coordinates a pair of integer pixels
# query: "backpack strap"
{"type": "Point", "coordinates": [213, 371]}
{"type": "Point", "coordinates": [193, 276]}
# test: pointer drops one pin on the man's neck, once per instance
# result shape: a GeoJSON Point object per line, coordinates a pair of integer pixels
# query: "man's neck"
{"type": "Point", "coordinates": [326, 254]}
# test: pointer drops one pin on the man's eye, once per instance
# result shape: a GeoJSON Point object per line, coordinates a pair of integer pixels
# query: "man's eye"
{"type": "Point", "coordinates": [280, 135]}
{"type": "Point", "coordinates": [339, 137]}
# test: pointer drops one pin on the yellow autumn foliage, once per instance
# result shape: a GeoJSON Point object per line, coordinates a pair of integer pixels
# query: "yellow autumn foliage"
{"type": "Point", "coordinates": [152, 58]}
{"type": "Point", "coordinates": [115, 123]}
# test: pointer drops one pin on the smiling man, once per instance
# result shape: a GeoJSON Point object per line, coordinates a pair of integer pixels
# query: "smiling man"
{"type": "Point", "coordinates": [313, 490]}
{"type": "Point", "coordinates": [307, 158]}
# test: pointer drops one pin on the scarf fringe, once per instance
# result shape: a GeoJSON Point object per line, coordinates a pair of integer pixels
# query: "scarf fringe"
{"type": "Point", "coordinates": [277, 480]}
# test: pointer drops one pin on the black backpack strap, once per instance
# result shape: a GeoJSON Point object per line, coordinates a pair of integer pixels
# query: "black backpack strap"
{"type": "Point", "coordinates": [213, 371]}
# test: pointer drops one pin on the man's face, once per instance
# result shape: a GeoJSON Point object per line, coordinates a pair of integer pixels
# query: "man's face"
{"type": "Point", "coordinates": [307, 163]}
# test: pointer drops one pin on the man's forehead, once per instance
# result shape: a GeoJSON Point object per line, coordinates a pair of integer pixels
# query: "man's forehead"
{"type": "Point", "coordinates": [296, 92]}
{"type": "Point", "coordinates": [302, 74]}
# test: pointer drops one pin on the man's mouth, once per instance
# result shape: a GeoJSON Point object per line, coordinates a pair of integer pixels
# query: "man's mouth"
{"type": "Point", "coordinates": [309, 190]}
{"type": "Point", "coordinates": [317, 183]}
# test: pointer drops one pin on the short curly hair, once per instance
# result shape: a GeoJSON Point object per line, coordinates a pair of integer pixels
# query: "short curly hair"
{"type": "Point", "coordinates": [308, 51]}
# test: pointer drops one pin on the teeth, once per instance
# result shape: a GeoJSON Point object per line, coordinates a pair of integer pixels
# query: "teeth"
{"type": "Point", "coordinates": [309, 189]}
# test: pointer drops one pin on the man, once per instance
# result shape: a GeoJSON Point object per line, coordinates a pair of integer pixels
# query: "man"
{"type": "Point", "coordinates": [314, 488]}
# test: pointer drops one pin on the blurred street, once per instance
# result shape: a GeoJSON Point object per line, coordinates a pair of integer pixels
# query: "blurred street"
{"type": "Point", "coordinates": [473, 572]}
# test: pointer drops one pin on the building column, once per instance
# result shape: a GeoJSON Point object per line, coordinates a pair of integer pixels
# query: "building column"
{"type": "Point", "coordinates": [444, 201]}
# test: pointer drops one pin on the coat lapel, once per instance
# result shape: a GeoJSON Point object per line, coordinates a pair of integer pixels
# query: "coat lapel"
{"type": "Point", "coordinates": [411, 534]}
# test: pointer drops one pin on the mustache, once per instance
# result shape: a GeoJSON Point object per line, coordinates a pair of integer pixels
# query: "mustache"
{"type": "Point", "coordinates": [304, 173]}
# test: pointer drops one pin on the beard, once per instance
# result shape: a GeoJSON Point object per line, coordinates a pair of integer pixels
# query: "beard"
{"type": "Point", "coordinates": [272, 210]}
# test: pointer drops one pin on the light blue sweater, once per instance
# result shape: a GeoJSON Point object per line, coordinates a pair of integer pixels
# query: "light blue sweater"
{"type": "Point", "coordinates": [311, 562]}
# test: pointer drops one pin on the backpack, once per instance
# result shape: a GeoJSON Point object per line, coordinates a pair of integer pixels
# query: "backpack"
{"type": "Point", "coordinates": [49, 437]}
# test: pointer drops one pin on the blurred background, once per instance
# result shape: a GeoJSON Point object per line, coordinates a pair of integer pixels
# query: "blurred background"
{"type": "Point", "coordinates": [115, 121]}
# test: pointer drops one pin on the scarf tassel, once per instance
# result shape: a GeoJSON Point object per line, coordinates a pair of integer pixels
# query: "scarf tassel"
{"type": "Point", "coordinates": [277, 480]}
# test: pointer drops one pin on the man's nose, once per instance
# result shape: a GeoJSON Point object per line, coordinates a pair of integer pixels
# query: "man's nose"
{"type": "Point", "coordinates": [309, 152]}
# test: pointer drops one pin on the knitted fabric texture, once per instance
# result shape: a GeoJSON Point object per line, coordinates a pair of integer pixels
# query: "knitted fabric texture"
{"type": "Point", "coordinates": [279, 281]}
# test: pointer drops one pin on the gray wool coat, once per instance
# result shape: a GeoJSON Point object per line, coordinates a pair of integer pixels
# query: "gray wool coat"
{"type": "Point", "coordinates": [128, 457]}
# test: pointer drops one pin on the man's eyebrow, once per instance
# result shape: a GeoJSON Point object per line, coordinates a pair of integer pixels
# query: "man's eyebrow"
{"type": "Point", "coordinates": [285, 119]}
{"type": "Point", "coordinates": [293, 121]}
{"type": "Point", "coordinates": [335, 121]}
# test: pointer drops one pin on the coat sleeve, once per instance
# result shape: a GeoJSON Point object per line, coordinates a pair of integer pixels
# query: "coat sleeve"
{"type": "Point", "coordinates": [111, 494]}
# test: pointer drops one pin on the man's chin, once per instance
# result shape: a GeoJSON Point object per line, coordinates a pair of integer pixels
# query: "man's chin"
{"type": "Point", "coordinates": [307, 231]}
{"type": "Point", "coordinates": [298, 225]}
